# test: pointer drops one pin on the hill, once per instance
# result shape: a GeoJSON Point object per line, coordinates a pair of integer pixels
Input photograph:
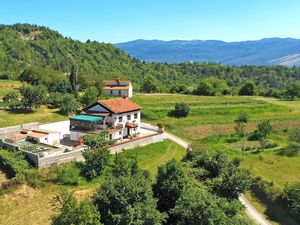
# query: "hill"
{"type": "Point", "coordinates": [269, 51]}
{"type": "Point", "coordinates": [24, 45]}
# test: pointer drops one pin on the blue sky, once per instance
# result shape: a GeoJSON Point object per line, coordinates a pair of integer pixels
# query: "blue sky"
{"type": "Point", "coordinates": [123, 20]}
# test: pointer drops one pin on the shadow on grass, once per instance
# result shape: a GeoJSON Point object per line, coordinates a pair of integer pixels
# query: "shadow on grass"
{"type": "Point", "coordinates": [275, 211]}
{"type": "Point", "coordinates": [19, 111]}
{"type": "Point", "coordinates": [290, 151]}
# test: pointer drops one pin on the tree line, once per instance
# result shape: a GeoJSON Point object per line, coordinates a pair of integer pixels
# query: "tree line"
{"type": "Point", "coordinates": [48, 57]}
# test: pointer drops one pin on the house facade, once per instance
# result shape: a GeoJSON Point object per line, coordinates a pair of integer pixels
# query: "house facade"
{"type": "Point", "coordinates": [119, 117]}
{"type": "Point", "coordinates": [117, 88]}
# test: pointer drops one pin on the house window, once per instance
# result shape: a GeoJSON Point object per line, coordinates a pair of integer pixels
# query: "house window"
{"type": "Point", "coordinates": [135, 116]}
{"type": "Point", "coordinates": [128, 117]}
{"type": "Point", "coordinates": [120, 92]}
{"type": "Point", "coordinates": [110, 137]}
{"type": "Point", "coordinates": [111, 92]}
{"type": "Point", "coordinates": [120, 119]}
{"type": "Point", "coordinates": [120, 133]}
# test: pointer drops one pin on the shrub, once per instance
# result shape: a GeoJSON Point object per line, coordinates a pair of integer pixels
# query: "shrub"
{"type": "Point", "coordinates": [181, 110]}
{"type": "Point", "coordinates": [291, 196]}
{"type": "Point", "coordinates": [69, 104]}
{"type": "Point", "coordinates": [13, 162]}
{"type": "Point", "coordinates": [73, 212]}
{"type": "Point", "coordinates": [95, 162]}
{"type": "Point", "coordinates": [247, 89]}
{"type": "Point", "coordinates": [30, 177]}
{"type": "Point", "coordinates": [68, 174]}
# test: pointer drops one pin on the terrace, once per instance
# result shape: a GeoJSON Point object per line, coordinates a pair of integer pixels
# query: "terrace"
{"type": "Point", "coordinates": [92, 124]}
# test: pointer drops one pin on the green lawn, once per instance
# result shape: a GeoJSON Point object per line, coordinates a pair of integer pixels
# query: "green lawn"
{"type": "Point", "coordinates": [151, 156]}
{"type": "Point", "coordinates": [29, 206]}
{"type": "Point", "coordinates": [42, 115]}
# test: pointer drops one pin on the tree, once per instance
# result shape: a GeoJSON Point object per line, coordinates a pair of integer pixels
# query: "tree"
{"type": "Point", "coordinates": [149, 84]}
{"type": "Point", "coordinates": [124, 167]}
{"type": "Point", "coordinates": [97, 156]}
{"type": "Point", "coordinates": [73, 78]}
{"type": "Point", "coordinates": [95, 162]}
{"type": "Point", "coordinates": [95, 141]}
{"type": "Point", "coordinates": [232, 182]}
{"type": "Point", "coordinates": [262, 130]}
{"type": "Point", "coordinates": [292, 90]}
{"type": "Point", "coordinates": [198, 206]}
{"type": "Point", "coordinates": [291, 196]}
{"type": "Point", "coordinates": [55, 99]}
{"type": "Point", "coordinates": [240, 128]}
{"type": "Point", "coordinates": [204, 88]}
{"type": "Point", "coordinates": [33, 96]}
{"type": "Point", "coordinates": [69, 104]}
{"type": "Point", "coordinates": [247, 89]}
{"type": "Point", "coordinates": [127, 200]}
{"type": "Point", "coordinates": [90, 96]}
{"type": "Point", "coordinates": [72, 212]}
{"type": "Point", "coordinates": [181, 109]}
{"type": "Point", "coordinates": [168, 187]}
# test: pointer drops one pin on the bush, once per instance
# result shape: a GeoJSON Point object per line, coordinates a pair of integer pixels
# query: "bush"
{"type": "Point", "coordinates": [247, 89]}
{"type": "Point", "coordinates": [291, 196]}
{"type": "Point", "coordinates": [13, 162]}
{"type": "Point", "coordinates": [181, 110]}
{"type": "Point", "coordinates": [68, 174]}
{"type": "Point", "coordinates": [69, 104]}
{"type": "Point", "coordinates": [30, 177]}
{"type": "Point", "coordinates": [95, 162]}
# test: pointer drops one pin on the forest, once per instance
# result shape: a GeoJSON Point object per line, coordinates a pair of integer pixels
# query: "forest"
{"type": "Point", "coordinates": [46, 53]}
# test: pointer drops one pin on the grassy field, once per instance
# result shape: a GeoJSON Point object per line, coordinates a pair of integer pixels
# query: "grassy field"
{"type": "Point", "coordinates": [8, 85]}
{"type": "Point", "coordinates": [42, 115]}
{"type": "Point", "coordinates": [213, 115]}
{"type": "Point", "coordinates": [28, 206]}
{"type": "Point", "coordinates": [210, 118]}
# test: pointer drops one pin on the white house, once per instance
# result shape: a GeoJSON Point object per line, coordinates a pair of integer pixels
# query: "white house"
{"type": "Point", "coordinates": [119, 117]}
{"type": "Point", "coordinates": [43, 136]}
{"type": "Point", "coordinates": [117, 88]}
{"type": "Point", "coordinates": [37, 136]}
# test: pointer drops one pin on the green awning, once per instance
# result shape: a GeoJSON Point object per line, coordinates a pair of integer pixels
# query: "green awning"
{"type": "Point", "coordinates": [87, 118]}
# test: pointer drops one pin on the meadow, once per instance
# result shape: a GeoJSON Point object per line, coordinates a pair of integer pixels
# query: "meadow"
{"type": "Point", "coordinates": [212, 118]}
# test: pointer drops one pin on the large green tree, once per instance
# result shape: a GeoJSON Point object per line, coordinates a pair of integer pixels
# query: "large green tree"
{"type": "Point", "coordinates": [127, 200]}
{"type": "Point", "coordinates": [168, 187]}
{"type": "Point", "coordinates": [197, 206]}
{"type": "Point", "coordinates": [33, 96]}
{"type": "Point", "coordinates": [72, 212]}
{"type": "Point", "coordinates": [90, 96]}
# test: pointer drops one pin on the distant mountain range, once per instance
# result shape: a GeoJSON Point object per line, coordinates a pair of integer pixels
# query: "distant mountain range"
{"type": "Point", "coordinates": [268, 51]}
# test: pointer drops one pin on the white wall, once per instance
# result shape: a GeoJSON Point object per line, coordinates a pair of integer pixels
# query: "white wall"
{"type": "Point", "coordinates": [75, 136]}
{"type": "Point", "coordinates": [63, 127]}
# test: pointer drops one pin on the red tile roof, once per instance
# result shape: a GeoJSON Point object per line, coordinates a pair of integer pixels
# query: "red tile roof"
{"type": "Point", "coordinates": [17, 137]}
{"type": "Point", "coordinates": [119, 105]}
{"type": "Point", "coordinates": [37, 135]}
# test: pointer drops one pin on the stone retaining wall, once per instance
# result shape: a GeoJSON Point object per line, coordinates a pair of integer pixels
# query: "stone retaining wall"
{"type": "Point", "coordinates": [62, 157]}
